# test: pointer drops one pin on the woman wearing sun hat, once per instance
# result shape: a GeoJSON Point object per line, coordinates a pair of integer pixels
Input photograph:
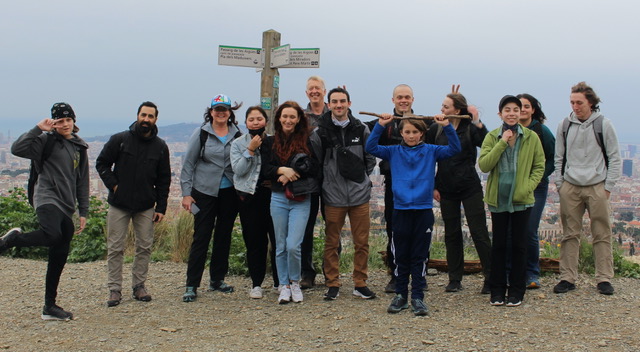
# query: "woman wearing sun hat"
{"type": "Point", "coordinates": [207, 192]}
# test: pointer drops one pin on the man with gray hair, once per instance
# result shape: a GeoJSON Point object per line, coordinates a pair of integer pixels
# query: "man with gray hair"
{"type": "Point", "coordinates": [316, 92]}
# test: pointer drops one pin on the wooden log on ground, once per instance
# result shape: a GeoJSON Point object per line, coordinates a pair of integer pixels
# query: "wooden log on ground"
{"type": "Point", "coordinates": [473, 266]}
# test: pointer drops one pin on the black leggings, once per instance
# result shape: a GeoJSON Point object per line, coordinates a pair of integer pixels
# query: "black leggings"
{"type": "Point", "coordinates": [56, 232]}
{"type": "Point", "coordinates": [216, 217]}
{"type": "Point", "coordinates": [255, 217]}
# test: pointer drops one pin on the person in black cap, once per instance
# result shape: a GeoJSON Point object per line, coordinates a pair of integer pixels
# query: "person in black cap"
{"type": "Point", "coordinates": [514, 158]}
{"type": "Point", "coordinates": [63, 185]}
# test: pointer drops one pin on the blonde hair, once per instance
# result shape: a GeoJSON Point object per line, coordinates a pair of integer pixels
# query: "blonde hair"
{"type": "Point", "coordinates": [319, 79]}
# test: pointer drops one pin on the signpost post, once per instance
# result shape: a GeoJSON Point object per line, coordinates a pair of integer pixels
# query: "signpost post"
{"type": "Point", "coordinates": [276, 56]}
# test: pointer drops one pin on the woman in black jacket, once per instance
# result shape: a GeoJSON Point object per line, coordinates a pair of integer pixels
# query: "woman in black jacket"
{"type": "Point", "coordinates": [288, 162]}
{"type": "Point", "coordinates": [457, 182]}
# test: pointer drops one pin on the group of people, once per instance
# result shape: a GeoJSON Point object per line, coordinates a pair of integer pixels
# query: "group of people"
{"type": "Point", "coordinates": [320, 159]}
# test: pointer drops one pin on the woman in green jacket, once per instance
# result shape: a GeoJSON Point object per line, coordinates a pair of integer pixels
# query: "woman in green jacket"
{"type": "Point", "coordinates": [514, 158]}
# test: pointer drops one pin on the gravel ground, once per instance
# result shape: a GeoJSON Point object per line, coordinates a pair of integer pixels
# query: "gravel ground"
{"type": "Point", "coordinates": [581, 320]}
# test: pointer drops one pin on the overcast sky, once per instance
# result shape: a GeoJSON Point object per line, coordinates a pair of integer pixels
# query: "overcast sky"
{"type": "Point", "coordinates": [105, 57]}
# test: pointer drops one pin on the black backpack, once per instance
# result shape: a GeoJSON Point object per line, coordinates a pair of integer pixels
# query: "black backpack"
{"type": "Point", "coordinates": [36, 166]}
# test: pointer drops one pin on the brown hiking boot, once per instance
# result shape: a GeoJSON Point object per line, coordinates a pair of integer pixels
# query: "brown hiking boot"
{"type": "Point", "coordinates": [115, 297]}
{"type": "Point", "coordinates": [140, 294]}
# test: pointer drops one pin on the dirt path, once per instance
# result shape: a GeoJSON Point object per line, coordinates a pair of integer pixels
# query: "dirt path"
{"type": "Point", "coordinates": [582, 320]}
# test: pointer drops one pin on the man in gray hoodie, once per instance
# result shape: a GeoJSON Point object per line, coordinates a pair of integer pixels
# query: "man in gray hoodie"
{"type": "Point", "coordinates": [587, 167]}
{"type": "Point", "coordinates": [63, 180]}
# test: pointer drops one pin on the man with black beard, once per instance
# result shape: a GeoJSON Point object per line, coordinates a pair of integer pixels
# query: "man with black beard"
{"type": "Point", "coordinates": [134, 166]}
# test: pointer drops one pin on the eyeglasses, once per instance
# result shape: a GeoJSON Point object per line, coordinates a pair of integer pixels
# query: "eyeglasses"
{"type": "Point", "coordinates": [220, 108]}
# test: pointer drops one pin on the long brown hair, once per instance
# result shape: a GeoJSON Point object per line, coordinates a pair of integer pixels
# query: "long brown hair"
{"type": "Point", "coordinates": [287, 146]}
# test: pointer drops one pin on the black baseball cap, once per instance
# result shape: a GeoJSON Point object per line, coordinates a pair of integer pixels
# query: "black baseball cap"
{"type": "Point", "coordinates": [62, 110]}
{"type": "Point", "coordinates": [509, 99]}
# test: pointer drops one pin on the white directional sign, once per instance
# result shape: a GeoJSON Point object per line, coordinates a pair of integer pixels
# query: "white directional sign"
{"type": "Point", "coordinates": [240, 56]}
{"type": "Point", "coordinates": [303, 58]}
{"type": "Point", "coordinates": [280, 56]}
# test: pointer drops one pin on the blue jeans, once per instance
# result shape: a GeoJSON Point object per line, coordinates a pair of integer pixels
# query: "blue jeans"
{"type": "Point", "coordinates": [533, 241]}
{"type": "Point", "coordinates": [289, 222]}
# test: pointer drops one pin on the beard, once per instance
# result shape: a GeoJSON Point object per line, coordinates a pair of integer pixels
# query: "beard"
{"type": "Point", "coordinates": [144, 127]}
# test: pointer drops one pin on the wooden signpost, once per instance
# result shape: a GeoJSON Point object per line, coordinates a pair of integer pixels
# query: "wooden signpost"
{"type": "Point", "coordinates": [278, 56]}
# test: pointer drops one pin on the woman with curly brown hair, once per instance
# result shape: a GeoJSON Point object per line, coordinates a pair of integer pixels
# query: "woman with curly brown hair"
{"type": "Point", "coordinates": [289, 163]}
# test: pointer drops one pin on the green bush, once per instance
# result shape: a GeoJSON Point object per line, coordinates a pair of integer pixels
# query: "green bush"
{"type": "Point", "coordinates": [550, 250]}
{"type": "Point", "coordinates": [86, 246]}
{"type": "Point", "coordinates": [90, 244]}
{"type": "Point", "coordinates": [17, 212]}
{"type": "Point", "coordinates": [621, 266]}
{"type": "Point", "coordinates": [173, 237]}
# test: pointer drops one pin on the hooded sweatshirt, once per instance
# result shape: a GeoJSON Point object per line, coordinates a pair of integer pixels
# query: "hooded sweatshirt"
{"type": "Point", "coordinates": [585, 165]}
{"type": "Point", "coordinates": [64, 177]}
{"type": "Point", "coordinates": [413, 168]}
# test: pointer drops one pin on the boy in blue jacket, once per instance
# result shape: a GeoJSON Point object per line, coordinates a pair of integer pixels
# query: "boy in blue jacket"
{"type": "Point", "coordinates": [412, 165]}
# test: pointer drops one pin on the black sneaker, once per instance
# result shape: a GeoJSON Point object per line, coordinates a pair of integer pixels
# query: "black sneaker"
{"type": "Point", "coordinates": [332, 293]}
{"type": "Point", "coordinates": [497, 300]}
{"type": "Point", "coordinates": [55, 313]}
{"type": "Point", "coordinates": [513, 302]}
{"type": "Point", "coordinates": [397, 304]}
{"type": "Point", "coordinates": [419, 308]}
{"type": "Point", "coordinates": [605, 288]}
{"type": "Point", "coordinates": [363, 292]}
{"type": "Point", "coordinates": [7, 239]}
{"type": "Point", "coordinates": [391, 286]}
{"type": "Point", "coordinates": [486, 288]}
{"type": "Point", "coordinates": [563, 286]}
{"type": "Point", "coordinates": [220, 286]}
{"type": "Point", "coordinates": [453, 286]}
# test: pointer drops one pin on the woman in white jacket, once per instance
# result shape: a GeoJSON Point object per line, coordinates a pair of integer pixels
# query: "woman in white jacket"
{"type": "Point", "coordinates": [255, 199]}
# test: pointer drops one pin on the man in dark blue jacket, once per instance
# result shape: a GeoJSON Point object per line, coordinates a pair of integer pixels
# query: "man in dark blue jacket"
{"type": "Point", "coordinates": [134, 166]}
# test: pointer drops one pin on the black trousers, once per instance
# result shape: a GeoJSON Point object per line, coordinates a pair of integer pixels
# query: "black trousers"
{"type": "Point", "coordinates": [308, 271]}
{"type": "Point", "coordinates": [255, 217]}
{"type": "Point", "coordinates": [410, 244]}
{"type": "Point", "coordinates": [504, 224]}
{"type": "Point", "coordinates": [217, 215]}
{"type": "Point", "coordinates": [453, 239]}
{"type": "Point", "coordinates": [388, 218]}
{"type": "Point", "coordinates": [56, 232]}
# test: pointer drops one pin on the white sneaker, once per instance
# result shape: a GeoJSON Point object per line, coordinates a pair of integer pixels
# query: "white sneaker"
{"type": "Point", "coordinates": [296, 292]}
{"type": "Point", "coordinates": [256, 292]}
{"type": "Point", "coordinates": [285, 295]}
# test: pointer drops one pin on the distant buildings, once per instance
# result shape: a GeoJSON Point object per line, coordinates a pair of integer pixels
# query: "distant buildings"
{"type": "Point", "coordinates": [627, 167]}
